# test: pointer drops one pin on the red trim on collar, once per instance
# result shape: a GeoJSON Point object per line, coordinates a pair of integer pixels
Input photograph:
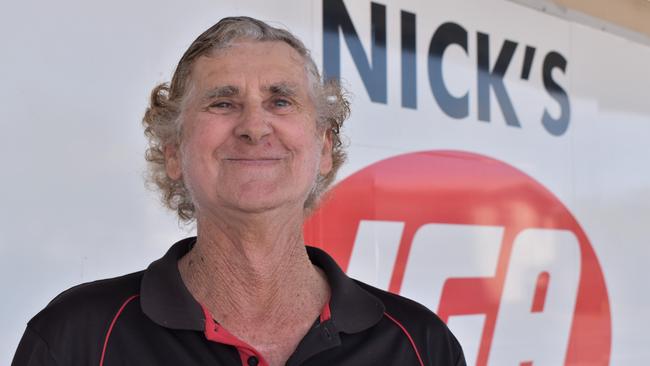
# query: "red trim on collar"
{"type": "Point", "coordinates": [110, 328]}
{"type": "Point", "coordinates": [216, 333]}
{"type": "Point", "coordinates": [325, 314]}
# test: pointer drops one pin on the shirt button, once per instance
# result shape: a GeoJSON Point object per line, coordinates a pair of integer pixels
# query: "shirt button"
{"type": "Point", "coordinates": [327, 333]}
{"type": "Point", "coordinates": [253, 361]}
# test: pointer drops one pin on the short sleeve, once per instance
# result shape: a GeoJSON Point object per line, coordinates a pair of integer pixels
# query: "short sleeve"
{"type": "Point", "coordinates": [33, 351]}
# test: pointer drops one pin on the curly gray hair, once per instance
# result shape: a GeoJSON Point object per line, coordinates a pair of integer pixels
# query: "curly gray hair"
{"type": "Point", "coordinates": [163, 126]}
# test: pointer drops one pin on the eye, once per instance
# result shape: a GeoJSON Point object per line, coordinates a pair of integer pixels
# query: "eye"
{"type": "Point", "coordinates": [281, 103]}
{"type": "Point", "coordinates": [221, 105]}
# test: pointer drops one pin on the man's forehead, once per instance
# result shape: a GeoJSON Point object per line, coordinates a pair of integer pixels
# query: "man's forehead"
{"type": "Point", "coordinates": [251, 54]}
{"type": "Point", "coordinates": [271, 67]}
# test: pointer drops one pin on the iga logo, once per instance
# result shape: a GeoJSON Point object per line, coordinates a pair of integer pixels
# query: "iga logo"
{"type": "Point", "coordinates": [494, 253]}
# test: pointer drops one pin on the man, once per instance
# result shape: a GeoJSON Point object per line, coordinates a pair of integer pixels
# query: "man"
{"type": "Point", "coordinates": [244, 141]}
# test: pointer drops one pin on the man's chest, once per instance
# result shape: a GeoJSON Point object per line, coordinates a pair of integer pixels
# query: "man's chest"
{"type": "Point", "coordinates": [317, 348]}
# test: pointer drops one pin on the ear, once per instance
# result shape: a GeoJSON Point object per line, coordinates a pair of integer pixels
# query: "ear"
{"type": "Point", "coordinates": [172, 162]}
{"type": "Point", "coordinates": [326, 161]}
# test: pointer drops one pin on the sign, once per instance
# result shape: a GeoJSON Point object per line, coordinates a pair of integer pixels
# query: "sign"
{"type": "Point", "coordinates": [490, 250]}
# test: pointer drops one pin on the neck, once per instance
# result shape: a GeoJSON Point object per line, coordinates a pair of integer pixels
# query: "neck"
{"type": "Point", "coordinates": [246, 269]}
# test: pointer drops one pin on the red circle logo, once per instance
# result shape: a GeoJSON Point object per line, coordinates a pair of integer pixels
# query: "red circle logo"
{"type": "Point", "coordinates": [495, 254]}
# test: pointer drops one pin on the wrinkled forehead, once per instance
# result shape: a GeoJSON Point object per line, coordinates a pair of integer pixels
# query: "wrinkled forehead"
{"type": "Point", "coordinates": [272, 67]}
{"type": "Point", "coordinates": [269, 67]}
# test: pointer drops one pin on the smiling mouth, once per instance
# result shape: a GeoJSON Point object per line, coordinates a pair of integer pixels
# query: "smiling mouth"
{"type": "Point", "coordinates": [253, 161]}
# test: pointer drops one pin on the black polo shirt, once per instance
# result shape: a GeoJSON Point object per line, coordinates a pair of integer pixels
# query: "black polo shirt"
{"type": "Point", "coordinates": [150, 318]}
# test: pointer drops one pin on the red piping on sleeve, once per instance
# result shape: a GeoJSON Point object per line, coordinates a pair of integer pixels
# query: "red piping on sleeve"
{"type": "Point", "coordinates": [417, 353]}
{"type": "Point", "coordinates": [110, 329]}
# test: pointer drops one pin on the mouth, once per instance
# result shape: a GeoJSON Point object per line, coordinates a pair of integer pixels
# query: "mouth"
{"type": "Point", "coordinates": [261, 161]}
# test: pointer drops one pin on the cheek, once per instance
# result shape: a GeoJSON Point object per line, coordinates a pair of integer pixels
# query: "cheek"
{"type": "Point", "coordinates": [204, 135]}
{"type": "Point", "coordinates": [199, 148]}
{"type": "Point", "coordinates": [313, 157]}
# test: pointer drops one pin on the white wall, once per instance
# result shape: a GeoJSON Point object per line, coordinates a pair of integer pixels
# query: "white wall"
{"type": "Point", "coordinates": [76, 76]}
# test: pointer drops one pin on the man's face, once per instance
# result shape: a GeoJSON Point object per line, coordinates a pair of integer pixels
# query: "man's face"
{"type": "Point", "coordinates": [250, 141]}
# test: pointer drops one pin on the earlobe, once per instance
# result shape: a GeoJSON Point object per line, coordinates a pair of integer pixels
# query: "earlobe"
{"type": "Point", "coordinates": [172, 162]}
{"type": "Point", "coordinates": [326, 154]}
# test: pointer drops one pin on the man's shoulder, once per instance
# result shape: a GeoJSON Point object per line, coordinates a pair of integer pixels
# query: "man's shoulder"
{"type": "Point", "coordinates": [430, 335]}
{"type": "Point", "coordinates": [404, 309]}
{"type": "Point", "coordinates": [72, 328]}
{"type": "Point", "coordinates": [86, 305]}
{"type": "Point", "coordinates": [97, 294]}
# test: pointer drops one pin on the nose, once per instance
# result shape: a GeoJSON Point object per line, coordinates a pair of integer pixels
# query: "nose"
{"type": "Point", "coordinates": [252, 126]}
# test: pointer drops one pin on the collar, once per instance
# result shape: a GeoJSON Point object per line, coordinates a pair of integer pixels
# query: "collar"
{"type": "Point", "coordinates": [167, 301]}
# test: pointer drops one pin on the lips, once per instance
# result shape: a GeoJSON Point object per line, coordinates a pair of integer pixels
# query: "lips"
{"type": "Point", "coordinates": [245, 159]}
{"type": "Point", "coordinates": [254, 161]}
{"type": "Point", "coordinates": [254, 156]}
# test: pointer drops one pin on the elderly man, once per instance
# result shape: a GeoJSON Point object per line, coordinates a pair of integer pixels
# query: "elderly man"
{"type": "Point", "coordinates": [244, 141]}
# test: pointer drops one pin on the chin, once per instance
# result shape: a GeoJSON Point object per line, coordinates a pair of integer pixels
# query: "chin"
{"type": "Point", "coordinates": [256, 207]}
{"type": "Point", "coordinates": [259, 202]}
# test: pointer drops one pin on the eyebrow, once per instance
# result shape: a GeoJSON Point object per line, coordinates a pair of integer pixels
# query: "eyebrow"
{"type": "Point", "coordinates": [222, 91]}
{"type": "Point", "coordinates": [283, 89]}
{"type": "Point", "coordinates": [279, 89]}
